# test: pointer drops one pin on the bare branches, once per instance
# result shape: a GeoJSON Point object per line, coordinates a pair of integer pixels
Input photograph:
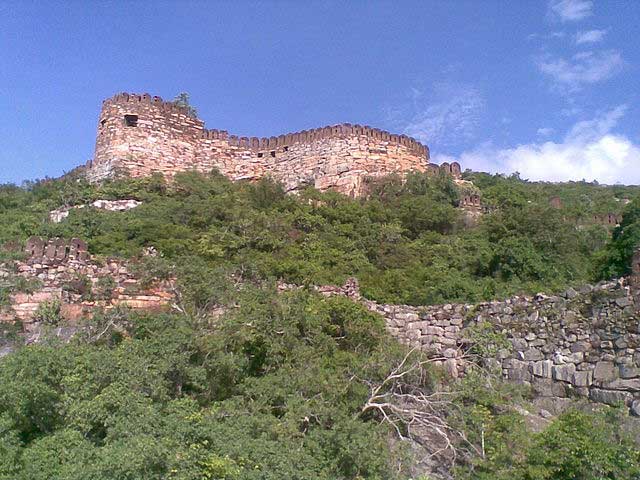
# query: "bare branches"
{"type": "Point", "coordinates": [416, 414]}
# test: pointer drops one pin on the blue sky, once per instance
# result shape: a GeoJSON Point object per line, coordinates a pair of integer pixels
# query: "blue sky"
{"type": "Point", "coordinates": [549, 88]}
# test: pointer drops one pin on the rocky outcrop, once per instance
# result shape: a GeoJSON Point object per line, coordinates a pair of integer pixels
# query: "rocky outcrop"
{"type": "Point", "coordinates": [56, 216]}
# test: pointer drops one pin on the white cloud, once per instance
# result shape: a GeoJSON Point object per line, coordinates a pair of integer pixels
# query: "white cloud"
{"type": "Point", "coordinates": [582, 69]}
{"type": "Point", "coordinates": [590, 36]}
{"type": "Point", "coordinates": [589, 151]}
{"type": "Point", "coordinates": [452, 113]}
{"type": "Point", "coordinates": [545, 36]}
{"type": "Point", "coordinates": [571, 10]}
{"type": "Point", "coordinates": [545, 131]}
{"type": "Point", "coordinates": [590, 130]}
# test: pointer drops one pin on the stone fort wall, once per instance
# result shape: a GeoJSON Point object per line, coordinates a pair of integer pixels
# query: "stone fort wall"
{"type": "Point", "coordinates": [583, 343]}
{"type": "Point", "coordinates": [67, 275]}
{"type": "Point", "coordinates": [139, 135]}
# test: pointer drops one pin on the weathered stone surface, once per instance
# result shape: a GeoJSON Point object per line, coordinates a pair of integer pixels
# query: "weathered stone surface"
{"type": "Point", "coordinates": [542, 368]}
{"type": "Point", "coordinates": [546, 387]}
{"type": "Point", "coordinates": [532, 354]}
{"type": "Point", "coordinates": [605, 371]}
{"type": "Point", "coordinates": [631, 384]}
{"type": "Point", "coordinates": [582, 378]}
{"type": "Point", "coordinates": [564, 373]}
{"type": "Point", "coordinates": [609, 397]}
{"type": "Point", "coordinates": [140, 135]}
{"type": "Point", "coordinates": [627, 371]}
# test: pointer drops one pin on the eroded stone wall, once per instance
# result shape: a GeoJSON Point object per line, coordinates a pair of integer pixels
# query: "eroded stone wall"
{"type": "Point", "coordinates": [582, 343]}
{"type": "Point", "coordinates": [139, 135]}
{"type": "Point", "coordinates": [69, 277]}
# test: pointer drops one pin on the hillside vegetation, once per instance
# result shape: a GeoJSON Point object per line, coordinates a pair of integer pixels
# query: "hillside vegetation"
{"type": "Point", "coordinates": [281, 386]}
{"type": "Point", "coordinates": [406, 242]}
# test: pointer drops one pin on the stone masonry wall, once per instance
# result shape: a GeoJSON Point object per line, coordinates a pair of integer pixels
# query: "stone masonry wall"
{"type": "Point", "coordinates": [59, 266]}
{"type": "Point", "coordinates": [582, 343]}
{"type": "Point", "coordinates": [139, 135]}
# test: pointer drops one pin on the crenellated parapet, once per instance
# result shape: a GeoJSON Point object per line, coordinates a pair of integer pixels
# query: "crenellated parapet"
{"type": "Point", "coordinates": [139, 135]}
{"type": "Point", "coordinates": [343, 130]}
{"type": "Point", "coordinates": [55, 250]}
{"type": "Point", "coordinates": [132, 99]}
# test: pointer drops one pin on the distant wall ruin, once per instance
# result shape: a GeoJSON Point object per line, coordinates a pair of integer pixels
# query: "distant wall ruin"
{"type": "Point", "coordinates": [584, 343]}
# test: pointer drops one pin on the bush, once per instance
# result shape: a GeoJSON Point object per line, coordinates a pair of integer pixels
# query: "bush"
{"type": "Point", "coordinates": [48, 312]}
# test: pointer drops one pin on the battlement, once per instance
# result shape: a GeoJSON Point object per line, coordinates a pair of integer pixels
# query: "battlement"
{"type": "Point", "coordinates": [343, 130]}
{"type": "Point", "coordinates": [132, 98]}
{"type": "Point", "coordinates": [142, 134]}
{"type": "Point", "coordinates": [55, 250]}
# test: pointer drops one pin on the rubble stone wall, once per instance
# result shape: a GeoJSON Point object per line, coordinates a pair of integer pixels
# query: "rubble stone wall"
{"type": "Point", "coordinates": [61, 268]}
{"type": "Point", "coordinates": [582, 343]}
{"type": "Point", "coordinates": [139, 135]}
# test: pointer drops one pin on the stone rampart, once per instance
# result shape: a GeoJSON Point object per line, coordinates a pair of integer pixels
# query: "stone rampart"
{"type": "Point", "coordinates": [582, 343]}
{"type": "Point", "coordinates": [139, 135]}
{"type": "Point", "coordinates": [67, 275]}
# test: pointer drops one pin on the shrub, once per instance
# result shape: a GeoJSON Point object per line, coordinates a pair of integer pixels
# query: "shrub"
{"type": "Point", "coordinates": [48, 312]}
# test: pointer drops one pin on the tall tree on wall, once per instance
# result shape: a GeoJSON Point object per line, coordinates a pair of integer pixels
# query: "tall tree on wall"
{"type": "Point", "coordinates": [183, 100]}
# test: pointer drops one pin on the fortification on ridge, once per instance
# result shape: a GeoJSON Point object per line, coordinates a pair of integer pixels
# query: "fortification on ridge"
{"type": "Point", "coordinates": [140, 134]}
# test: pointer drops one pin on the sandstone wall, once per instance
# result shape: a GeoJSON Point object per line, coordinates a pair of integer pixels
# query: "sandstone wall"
{"type": "Point", "coordinates": [59, 265]}
{"type": "Point", "coordinates": [164, 138]}
{"type": "Point", "coordinates": [139, 135]}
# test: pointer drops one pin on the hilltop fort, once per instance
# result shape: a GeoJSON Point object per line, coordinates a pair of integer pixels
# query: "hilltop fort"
{"type": "Point", "coordinates": [140, 134]}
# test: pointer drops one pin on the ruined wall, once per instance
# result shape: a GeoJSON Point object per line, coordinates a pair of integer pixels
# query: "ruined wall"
{"type": "Point", "coordinates": [60, 266]}
{"type": "Point", "coordinates": [582, 343]}
{"type": "Point", "coordinates": [139, 135]}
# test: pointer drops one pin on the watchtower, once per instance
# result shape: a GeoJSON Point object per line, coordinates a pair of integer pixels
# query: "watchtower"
{"type": "Point", "coordinates": [141, 134]}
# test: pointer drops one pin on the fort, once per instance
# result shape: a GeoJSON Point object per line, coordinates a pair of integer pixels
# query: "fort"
{"type": "Point", "coordinates": [139, 135]}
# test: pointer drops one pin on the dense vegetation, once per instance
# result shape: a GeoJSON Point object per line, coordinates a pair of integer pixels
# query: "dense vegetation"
{"type": "Point", "coordinates": [278, 386]}
{"type": "Point", "coordinates": [406, 243]}
{"type": "Point", "coordinates": [274, 389]}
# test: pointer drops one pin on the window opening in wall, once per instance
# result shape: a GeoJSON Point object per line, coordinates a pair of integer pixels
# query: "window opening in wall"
{"type": "Point", "coordinates": [273, 153]}
{"type": "Point", "coordinates": [285, 149]}
{"type": "Point", "coordinates": [102, 123]}
{"type": "Point", "coordinates": [131, 120]}
{"type": "Point", "coordinates": [260, 154]}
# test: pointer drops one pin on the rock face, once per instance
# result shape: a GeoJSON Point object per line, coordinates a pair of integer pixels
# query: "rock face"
{"type": "Point", "coordinates": [583, 343]}
{"type": "Point", "coordinates": [139, 135]}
